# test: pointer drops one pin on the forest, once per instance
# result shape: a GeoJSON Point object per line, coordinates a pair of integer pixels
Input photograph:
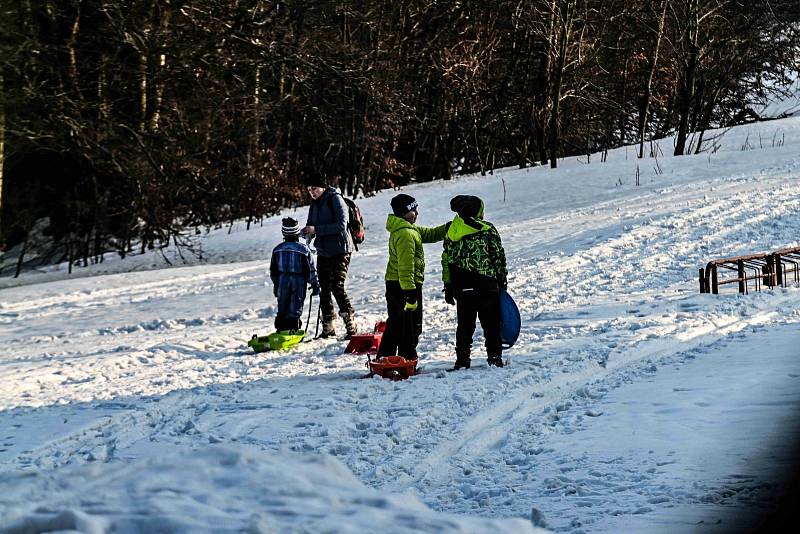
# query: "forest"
{"type": "Point", "coordinates": [126, 125]}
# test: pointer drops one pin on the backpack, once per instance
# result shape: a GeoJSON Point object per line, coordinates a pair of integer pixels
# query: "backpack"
{"type": "Point", "coordinates": [355, 221]}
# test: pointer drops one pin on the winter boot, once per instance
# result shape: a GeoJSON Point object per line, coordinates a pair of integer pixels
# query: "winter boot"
{"type": "Point", "coordinates": [495, 359]}
{"type": "Point", "coordinates": [462, 360]}
{"type": "Point", "coordinates": [349, 323]}
{"type": "Point", "coordinates": [328, 330]}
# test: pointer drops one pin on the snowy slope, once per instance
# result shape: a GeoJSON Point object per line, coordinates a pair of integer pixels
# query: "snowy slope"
{"type": "Point", "coordinates": [226, 489]}
{"type": "Point", "coordinates": [630, 403]}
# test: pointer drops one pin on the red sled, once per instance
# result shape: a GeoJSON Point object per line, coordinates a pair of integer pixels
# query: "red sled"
{"type": "Point", "coordinates": [392, 367]}
{"type": "Point", "coordinates": [366, 343]}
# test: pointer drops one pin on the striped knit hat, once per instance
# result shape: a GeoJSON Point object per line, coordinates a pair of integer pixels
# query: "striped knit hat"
{"type": "Point", "coordinates": [290, 227]}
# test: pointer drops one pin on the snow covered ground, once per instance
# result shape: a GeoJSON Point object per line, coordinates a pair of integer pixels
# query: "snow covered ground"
{"type": "Point", "coordinates": [130, 402]}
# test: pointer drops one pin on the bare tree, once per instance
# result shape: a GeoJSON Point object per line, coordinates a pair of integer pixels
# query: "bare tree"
{"type": "Point", "coordinates": [653, 63]}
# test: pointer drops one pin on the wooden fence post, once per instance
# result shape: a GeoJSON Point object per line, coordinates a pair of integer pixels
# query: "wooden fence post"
{"type": "Point", "coordinates": [714, 281]}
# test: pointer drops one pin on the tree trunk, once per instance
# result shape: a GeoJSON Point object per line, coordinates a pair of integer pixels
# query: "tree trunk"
{"type": "Point", "coordinates": [73, 55]}
{"type": "Point", "coordinates": [539, 125]}
{"type": "Point", "coordinates": [158, 94]}
{"type": "Point", "coordinates": [686, 90]}
{"type": "Point", "coordinates": [648, 88]}
{"type": "Point", "coordinates": [623, 116]}
{"type": "Point", "coordinates": [143, 65]}
{"type": "Point", "coordinates": [103, 103]}
{"type": "Point", "coordinates": [161, 78]}
{"type": "Point", "coordinates": [685, 97]}
{"type": "Point", "coordinates": [564, 27]}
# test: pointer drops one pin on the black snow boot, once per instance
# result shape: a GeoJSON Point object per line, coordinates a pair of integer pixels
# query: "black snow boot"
{"type": "Point", "coordinates": [495, 360]}
{"type": "Point", "coordinates": [462, 361]}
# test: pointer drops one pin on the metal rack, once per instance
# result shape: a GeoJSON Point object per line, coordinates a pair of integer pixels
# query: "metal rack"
{"type": "Point", "coordinates": [771, 269]}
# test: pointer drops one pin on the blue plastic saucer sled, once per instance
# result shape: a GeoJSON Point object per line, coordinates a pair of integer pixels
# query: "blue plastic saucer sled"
{"type": "Point", "coordinates": [510, 321]}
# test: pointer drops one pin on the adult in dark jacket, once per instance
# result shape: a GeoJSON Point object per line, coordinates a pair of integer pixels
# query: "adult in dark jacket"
{"type": "Point", "coordinates": [474, 271]}
{"type": "Point", "coordinates": [327, 224]}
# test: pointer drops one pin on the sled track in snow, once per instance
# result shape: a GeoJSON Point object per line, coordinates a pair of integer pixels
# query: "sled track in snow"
{"type": "Point", "coordinates": [487, 428]}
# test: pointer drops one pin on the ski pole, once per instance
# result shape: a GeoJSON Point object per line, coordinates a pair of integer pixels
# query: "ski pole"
{"type": "Point", "coordinates": [310, 305]}
{"type": "Point", "coordinates": [319, 311]}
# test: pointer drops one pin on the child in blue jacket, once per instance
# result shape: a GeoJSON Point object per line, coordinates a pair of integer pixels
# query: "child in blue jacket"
{"type": "Point", "coordinates": [291, 270]}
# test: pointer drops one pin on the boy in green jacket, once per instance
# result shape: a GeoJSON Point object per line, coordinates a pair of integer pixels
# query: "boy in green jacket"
{"type": "Point", "coordinates": [474, 271]}
{"type": "Point", "coordinates": [405, 272]}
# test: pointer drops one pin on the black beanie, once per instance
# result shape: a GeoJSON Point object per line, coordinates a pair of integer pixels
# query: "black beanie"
{"type": "Point", "coordinates": [467, 206]}
{"type": "Point", "coordinates": [290, 227]}
{"type": "Point", "coordinates": [315, 179]}
{"type": "Point", "coordinates": [402, 204]}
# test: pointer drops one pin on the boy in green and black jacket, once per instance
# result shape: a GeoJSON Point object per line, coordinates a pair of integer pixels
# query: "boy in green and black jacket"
{"type": "Point", "coordinates": [405, 272]}
{"type": "Point", "coordinates": [474, 271]}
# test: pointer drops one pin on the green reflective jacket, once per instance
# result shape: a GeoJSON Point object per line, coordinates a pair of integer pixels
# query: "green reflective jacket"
{"type": "Point", "coordinates": [406, 256]}
{"type": "Point", "coordinates": [474, 250]}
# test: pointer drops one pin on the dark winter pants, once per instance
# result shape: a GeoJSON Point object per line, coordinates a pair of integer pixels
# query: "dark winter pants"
{"type": "Point", "coordinates": [332, 274]}
{"type": "Point", "coordinates": [402, 328]}
{"type": "Point", "coordinates": [485, 305]}
{"type": "Point", "coordinates": [291, 295]}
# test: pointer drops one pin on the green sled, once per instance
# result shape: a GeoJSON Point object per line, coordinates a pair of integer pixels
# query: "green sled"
{"type": "Point", "coordinates": [276, 340]}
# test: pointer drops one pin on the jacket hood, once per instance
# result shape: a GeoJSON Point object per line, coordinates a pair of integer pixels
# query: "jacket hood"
{"type": "Point", "coordinates": [330, 190]}
{"type": "Point", "coordinates": [394, 223]}
{"type": "Point", "coordinates": [467, 206]}
{"type": "Point", "coordinates": [460, 229]}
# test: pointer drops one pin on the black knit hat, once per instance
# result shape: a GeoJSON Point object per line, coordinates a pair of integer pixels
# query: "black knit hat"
{"type": "Point", "coordinates": [315, 179]}
{"type": "Point", "coordinates": [467, 206]}
{"type": "Point", "coordinates": [402, 204]}
{"type": "Point", "coordinates": [290, 227]}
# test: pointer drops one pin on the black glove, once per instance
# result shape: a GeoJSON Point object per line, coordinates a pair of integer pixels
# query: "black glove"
{"type": "Point", "coordinates": [449, 294]}
{"type": "Point", "coordinates": [314, 291]}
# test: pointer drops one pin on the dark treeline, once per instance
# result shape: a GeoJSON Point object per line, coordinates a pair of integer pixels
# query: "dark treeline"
{"type": "Point", "coordinates": [126, 122]}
